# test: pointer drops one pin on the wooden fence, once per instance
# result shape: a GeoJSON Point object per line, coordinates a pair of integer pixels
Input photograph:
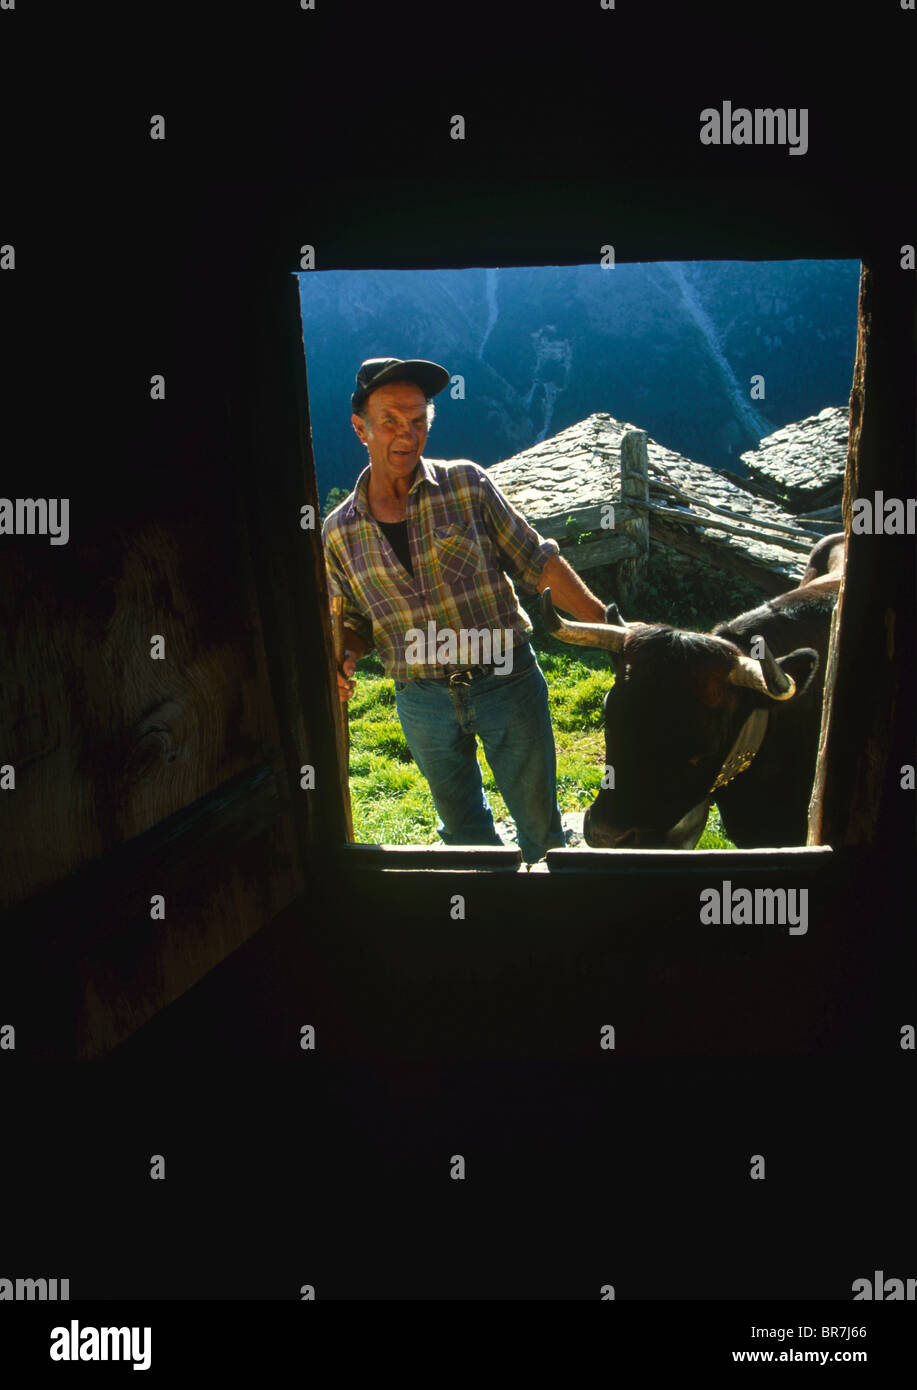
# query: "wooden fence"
{"type": "Point", "coordinates": [646, 511]}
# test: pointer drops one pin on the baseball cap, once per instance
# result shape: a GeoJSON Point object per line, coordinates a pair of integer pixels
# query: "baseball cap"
{"type": "Point", "coordinates": [377, 371]}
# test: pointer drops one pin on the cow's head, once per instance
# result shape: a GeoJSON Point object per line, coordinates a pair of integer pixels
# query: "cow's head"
{"type": "Point", "coordinates": [672, 719]}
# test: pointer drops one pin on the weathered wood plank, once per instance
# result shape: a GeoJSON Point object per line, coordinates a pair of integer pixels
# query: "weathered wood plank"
{"type": "Point", "coordinates": [84, 964]}
{"type": "Point", "coordinates": [436, 857]}
{"type": "Point", "coordinates": [110, 743]}
{"type": "Point", "coordinates": [631, 572]}
{"type": "Point", "coordinates": [554, 527]}
{"type": "Point", "coordinates": [542, 959]}
{"type": "Point", "coordinates": [687, 519]}
{"type": "Point", "coordinates": [728, 558]}
{"type": "Point", "coordinates": [94, 903]}
{"type": "Point", "coordinates": [704, 864]}
{"type": "Point", "coordinates": [869, 722]}
{"type": "Point", "coordinates": [605, 551]}
{"type": "Point", "coordinates": [690, 501]}
{"type": "Point", "coordinates": [106, 740]}
{"type": "Point", "coordinates": [272, 417]}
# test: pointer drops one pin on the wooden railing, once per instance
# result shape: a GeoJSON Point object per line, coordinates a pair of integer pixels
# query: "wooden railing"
{"type": "Point", "coordinates": [645, 510]}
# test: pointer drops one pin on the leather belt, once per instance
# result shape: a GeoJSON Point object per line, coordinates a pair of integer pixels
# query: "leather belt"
{"type": "Point", "coordinates": [464, 676]}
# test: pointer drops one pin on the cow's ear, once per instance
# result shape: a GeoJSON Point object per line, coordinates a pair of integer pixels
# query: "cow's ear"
{"type": "Point", "coordinates": [802, 665]}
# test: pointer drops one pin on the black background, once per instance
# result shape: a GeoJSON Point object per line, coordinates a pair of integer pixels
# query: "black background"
{"type": "Point", "coordinates": [332, 127]}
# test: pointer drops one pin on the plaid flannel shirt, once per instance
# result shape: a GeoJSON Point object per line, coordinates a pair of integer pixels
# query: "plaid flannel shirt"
{"type": "Point", "coordinates": [467, 544]}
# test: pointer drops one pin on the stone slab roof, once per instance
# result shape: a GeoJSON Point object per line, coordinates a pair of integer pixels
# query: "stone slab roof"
{"type": "Point", "coordinates": [802, 465]}
{"type": "Point", "coordinates": [580, 467]}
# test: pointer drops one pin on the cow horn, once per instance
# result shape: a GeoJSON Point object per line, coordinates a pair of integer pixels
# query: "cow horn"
{"type": "Point", "coordinates": [764, 676]}
{"type": "Point", "coordinates": [608, 636]}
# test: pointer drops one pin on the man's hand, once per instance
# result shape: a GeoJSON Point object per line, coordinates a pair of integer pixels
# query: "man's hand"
{"type": "Point", "coordinates": [346, 684]}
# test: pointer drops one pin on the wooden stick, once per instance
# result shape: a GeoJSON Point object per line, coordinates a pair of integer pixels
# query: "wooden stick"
{"type": "Point", "coordinates": [734, 516]}
{"type": "Point", "coordinates": [733, 559]}
{"type": "Point", "coordinates": [686, 519]}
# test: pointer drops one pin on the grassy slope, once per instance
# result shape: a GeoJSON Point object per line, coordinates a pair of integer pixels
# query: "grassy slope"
{"type": "Point", "coordinates": [391, 800]}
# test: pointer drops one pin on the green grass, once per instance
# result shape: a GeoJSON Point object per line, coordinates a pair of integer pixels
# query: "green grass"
{"type": "Point", "coordinates": [714, 836]}
{"type": "Point", "coordinates": [390, 798]}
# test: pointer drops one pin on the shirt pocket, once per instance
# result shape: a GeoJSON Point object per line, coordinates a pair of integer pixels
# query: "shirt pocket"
{"type": "Point", "coordinates": [458, 552]}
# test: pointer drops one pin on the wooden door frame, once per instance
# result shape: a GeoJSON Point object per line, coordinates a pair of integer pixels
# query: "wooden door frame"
{"type": "Point", "coordinates": [847, 810]}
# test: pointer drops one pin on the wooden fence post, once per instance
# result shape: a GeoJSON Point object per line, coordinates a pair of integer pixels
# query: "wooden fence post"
{"type": "Point", "coordinates": [634, 488]}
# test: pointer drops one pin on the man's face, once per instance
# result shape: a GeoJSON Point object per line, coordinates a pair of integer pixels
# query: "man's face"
{"type": "Point", "coordinates": [396, 428]}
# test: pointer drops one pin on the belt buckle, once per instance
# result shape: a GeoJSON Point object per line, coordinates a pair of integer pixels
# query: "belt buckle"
{"type": "Point", "coordinates": [459, 678]}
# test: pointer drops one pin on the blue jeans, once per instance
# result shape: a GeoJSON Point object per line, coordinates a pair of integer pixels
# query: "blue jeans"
{"type": "Point", "coordinates": [510, 715]}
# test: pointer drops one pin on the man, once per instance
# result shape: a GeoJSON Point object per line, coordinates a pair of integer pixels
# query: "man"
{"type": "Point", "coordinates": [423, 546]}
